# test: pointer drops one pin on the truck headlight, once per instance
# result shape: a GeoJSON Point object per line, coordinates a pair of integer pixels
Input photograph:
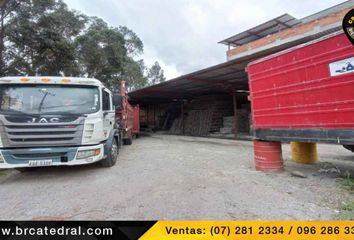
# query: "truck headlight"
{"type": "Point", "coordinates": [88, 153]}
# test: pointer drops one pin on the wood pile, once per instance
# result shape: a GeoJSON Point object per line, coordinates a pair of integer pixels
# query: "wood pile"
{"type": "Point", "coordinates": [222, 108]}
{"type": "Point", "coordinates": [228, 125]}
{"type": "Point", "coordinates": [227, 130]}
{"type": "Point", "coordinates": [198, 122]}
{"type": "Point", "coordinates": [176, 127]}
{"type": "Point", "coordinates": [243, 120]}
{"type": "Point", "coordinates": [203, 115]}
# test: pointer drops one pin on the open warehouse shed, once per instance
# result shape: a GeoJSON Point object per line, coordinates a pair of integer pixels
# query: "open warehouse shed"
{"type": "Point", "coordinates": [214, 101]}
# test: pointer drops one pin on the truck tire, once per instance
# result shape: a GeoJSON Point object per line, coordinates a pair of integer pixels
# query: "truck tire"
{"type": "Point", "coordinates": [112, 155]}
{"type": "Point", "coordinates": [129, 140]}
{"type": "Point", "coordinates": [349, 147]}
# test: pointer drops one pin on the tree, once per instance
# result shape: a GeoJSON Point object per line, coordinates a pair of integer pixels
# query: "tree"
{"type": "Point", "coordinates": [133, 74]}
{"type": "Point", "coordinates": [133, 44]}
{"type": "Point", "coordinates": [44, 37]}
{"type": "Point", "coordinates": [101, 52]}
{"type": "Point", "coordinates": [6, 8]}
{"type": "Point", "coordinates": [155, 74]}
{"type": "Point", "coordinates": [40, 39]}
{"type": "Point", "coordinates": [106, 53]}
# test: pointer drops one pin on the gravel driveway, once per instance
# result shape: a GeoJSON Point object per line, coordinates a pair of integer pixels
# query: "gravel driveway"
{"type": "Point", "coordinates": [175, 177]}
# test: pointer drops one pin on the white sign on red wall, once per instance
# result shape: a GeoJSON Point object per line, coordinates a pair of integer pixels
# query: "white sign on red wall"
{"type": "Point", "coordinates": [342, 67]}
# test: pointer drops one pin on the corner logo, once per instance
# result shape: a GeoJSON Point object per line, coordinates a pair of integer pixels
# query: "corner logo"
{"type": "Point", "coordinates": [348, 25]}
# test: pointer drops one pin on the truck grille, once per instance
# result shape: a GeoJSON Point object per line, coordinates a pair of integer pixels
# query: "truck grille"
{"type": "Point", "coordinates": [39, 134]}
{"type": "Point", "coordinates": [38, 155]}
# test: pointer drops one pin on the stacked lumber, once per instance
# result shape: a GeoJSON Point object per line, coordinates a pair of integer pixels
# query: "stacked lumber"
{"type": "Point", "coordinates": [223, 106]}
{"type": "Point", "coordinates": [243, 120]}
{"type": "Point", "coordinates": [198, 122]}
{"type": "Point", "coordinates": [176, 127]}
{"type": "Point", "coordinates": [228, 125]}
{"type": "Point", "coordinates": [243, 125]}
{"type": "Point", "coordinates": [203, 115]}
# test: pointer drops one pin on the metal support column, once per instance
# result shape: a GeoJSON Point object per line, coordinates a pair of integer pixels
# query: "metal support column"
{"type": "Point", "coordinates": [235, 113]}
{"type": "Point", "coordinates": [154, 114]}
{"type": "Point", "coordinates": [147, 115]}
{"type": "Point", "coordinates": [182, 115]}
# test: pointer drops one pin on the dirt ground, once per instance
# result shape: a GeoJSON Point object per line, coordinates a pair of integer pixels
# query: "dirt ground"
{"type": "Point", "coordinates": [175, 177]}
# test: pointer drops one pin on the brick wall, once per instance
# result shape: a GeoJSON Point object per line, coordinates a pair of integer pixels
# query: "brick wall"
{"type": "Point", "coordinates": [289, 33]}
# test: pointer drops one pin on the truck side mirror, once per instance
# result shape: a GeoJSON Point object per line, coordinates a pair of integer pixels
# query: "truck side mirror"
{"type": "Point", "coordinates": [117, 101]}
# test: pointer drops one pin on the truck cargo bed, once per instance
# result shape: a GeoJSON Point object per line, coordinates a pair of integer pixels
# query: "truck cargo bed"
{"type": "Point", "coordinates": [305, 93]}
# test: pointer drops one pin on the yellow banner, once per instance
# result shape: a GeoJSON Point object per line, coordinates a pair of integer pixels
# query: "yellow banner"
{"type": "Point", "coordinates": [267, 230]}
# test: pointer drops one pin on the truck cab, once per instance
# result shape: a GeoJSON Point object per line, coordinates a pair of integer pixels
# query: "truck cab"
{"type": "Point", "coordinates": [54, 121]}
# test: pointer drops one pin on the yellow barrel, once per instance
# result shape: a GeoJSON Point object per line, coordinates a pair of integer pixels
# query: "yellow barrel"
{"type": "Point", "coordinates": [303, 152]}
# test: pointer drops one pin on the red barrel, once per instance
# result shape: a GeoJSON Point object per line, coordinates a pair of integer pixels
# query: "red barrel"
{"type": "Point", "coordinates": [267, 156]}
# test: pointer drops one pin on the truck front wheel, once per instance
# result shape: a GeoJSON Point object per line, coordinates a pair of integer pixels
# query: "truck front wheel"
{"type": "Point", "coordinates": [112, 155]}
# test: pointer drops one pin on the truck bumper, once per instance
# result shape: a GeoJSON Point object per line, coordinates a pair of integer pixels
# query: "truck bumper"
{"type": "Point", "coordinates": [48, 156]}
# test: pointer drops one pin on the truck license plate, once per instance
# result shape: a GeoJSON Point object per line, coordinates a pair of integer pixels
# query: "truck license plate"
{"type": "Point", "coordinates": [38, 163]}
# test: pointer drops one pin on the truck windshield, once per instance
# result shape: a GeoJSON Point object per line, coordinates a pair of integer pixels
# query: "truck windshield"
{"type": "Point", "coordinates": [48, 99]}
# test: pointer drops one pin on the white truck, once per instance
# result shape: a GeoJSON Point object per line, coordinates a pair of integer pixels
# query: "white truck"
{"type": "Point", "coordinates": [53, 121]}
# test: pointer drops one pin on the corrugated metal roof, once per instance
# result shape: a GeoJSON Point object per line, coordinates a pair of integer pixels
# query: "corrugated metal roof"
{"type": "Point", "coordinates": [228, 76]}
{"type": "Point", "coordinates": [275, 25]}
{"type": "Point", "coordinates": [330, 10]}
{"type": "Point", "coordinates": [222, 78]}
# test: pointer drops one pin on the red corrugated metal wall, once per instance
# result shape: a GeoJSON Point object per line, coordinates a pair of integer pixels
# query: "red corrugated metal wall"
{"type": "Point", "coordinates": [294, 89]}
{"type": "Point", "coordinates": [136, 120]}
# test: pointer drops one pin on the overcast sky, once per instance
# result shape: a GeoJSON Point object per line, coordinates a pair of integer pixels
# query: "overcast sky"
{"type": "Point", "coordinates": [183, 34]}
